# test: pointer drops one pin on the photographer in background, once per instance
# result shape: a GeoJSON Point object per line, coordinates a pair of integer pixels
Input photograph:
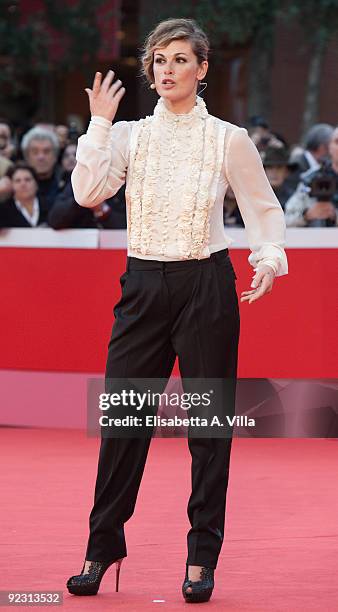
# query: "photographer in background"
{"type": "Point", "coordinates": [316, 144]}
{"type": "Point", "coordinates": [314, 151]}
{"type": "Point", "coordinates": [278, 167]}
{"type": "Point", "coordinates": [315, 201]}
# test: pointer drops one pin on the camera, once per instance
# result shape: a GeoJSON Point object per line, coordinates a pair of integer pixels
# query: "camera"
{"type": "Point", "coordinates": [323, 186]}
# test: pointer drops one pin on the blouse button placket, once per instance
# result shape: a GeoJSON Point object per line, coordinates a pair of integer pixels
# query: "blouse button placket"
{"type": "Point", "coordinates": [171, 170]}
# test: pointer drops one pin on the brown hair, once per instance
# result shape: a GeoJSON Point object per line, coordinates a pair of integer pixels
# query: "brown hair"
{"type": "Point", "coordinates": [164, 33]}
{"type": "Point", "coordinates": [22, 165]}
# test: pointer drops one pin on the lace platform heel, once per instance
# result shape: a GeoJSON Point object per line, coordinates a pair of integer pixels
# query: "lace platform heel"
{"type": "Point", "coordinates": [201, 590]}
{"type": "Point", "coordinates": [89, 583]}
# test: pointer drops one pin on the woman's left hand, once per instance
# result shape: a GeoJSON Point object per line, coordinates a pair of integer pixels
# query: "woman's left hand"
{"type": "Point", "coordinates": [263, 281]}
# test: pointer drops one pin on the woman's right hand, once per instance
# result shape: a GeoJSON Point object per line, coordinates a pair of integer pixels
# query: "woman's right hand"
{"type": "Point", "coordinates": [104, 98]}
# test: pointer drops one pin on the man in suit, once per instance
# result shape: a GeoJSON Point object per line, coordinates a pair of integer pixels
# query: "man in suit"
{"type": "Point", "coordinates": [315, 151]}
{"type": "Point", "coordinates": [316, 146]}
{"type": "Point", "coordinates": [40, 148]}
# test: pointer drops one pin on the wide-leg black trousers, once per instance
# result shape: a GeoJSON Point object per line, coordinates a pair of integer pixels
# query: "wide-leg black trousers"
{"type": "Point", "coordinates": [190, 309]}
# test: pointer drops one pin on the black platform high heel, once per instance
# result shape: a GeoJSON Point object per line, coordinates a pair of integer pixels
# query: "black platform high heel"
{"type": "Point", "coordinates": [201, 590]}
{"type": "Point", "coordinates": [88, 584]}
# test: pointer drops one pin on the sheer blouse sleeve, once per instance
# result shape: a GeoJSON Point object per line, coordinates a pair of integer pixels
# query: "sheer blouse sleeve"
{"type": "Point", "coordinates": [101, 161]}
{"type": "Point", "coordinates": [261, 211]}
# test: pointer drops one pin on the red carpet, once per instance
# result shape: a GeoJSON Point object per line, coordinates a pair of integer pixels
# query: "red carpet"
{"type": "Point", "coordinates": [280, 551]}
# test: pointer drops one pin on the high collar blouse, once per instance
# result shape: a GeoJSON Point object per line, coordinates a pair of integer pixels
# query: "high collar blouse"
{"type": "Point", "coordinates": [177, 168]}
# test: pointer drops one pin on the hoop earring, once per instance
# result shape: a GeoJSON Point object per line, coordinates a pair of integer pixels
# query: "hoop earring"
{"type": "Point", "coordinates": [203, 88]}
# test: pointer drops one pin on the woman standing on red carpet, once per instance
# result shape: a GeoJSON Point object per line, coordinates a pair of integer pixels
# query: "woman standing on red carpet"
{"type": "Point", "coordinates": [178, 292]}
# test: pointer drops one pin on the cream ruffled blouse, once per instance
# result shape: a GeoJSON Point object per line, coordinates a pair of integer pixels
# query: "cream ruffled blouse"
{"type": "Point", "coordinates": [177, 169]}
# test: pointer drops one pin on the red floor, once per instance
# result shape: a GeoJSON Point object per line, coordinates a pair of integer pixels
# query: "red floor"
{"type": "Point", "coordinates": [281, 544]}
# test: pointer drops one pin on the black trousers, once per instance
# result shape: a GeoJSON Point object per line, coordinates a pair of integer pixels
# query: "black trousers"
{"type": "Point", "coordinates": [190, 309]}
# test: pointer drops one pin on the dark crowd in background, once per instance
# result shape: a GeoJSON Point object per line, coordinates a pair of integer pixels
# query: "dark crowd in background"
{"type": "Point", "coordinates": [36, 190]}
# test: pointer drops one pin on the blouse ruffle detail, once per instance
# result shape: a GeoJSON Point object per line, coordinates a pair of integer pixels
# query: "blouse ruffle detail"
{"type": "Point", "coordinates": [163, 144]}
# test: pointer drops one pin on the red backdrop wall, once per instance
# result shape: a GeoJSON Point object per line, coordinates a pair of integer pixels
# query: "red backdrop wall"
{"type": "Point", "coordinates": [56, 311]}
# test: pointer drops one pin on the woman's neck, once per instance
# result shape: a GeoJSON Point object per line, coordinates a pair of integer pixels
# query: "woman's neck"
{"type": "Point", "coordinates": [26, 202]}
{"type": "Point", "coordinates": [180, 107]}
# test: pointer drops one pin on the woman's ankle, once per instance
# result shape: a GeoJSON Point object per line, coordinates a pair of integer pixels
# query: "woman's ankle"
{"type": "Point", "coordinates": [194, 572]}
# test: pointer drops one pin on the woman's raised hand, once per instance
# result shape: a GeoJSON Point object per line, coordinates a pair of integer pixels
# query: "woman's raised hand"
{"type": "Point", "coordinates": [105, 97]}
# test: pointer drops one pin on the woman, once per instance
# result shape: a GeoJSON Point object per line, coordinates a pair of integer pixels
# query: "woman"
{"type": "Point", "coordinates": [178, 292]}
{"type": "Point", "coordinates": [24, 208]}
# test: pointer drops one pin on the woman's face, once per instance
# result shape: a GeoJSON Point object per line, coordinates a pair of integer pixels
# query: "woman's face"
{"type": "Point", "coordinates": [69, 158]}
{"type": "Point", "coordinates": [6, 146]}
{"type": "Point", "coordinates": [176, 70]}
{"type": "Point", "coordinates": [62, 134]}
{"type": "Point", "coordinates": [24, 185]}
{"type": "Point", "coordinates": [276, 175]}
